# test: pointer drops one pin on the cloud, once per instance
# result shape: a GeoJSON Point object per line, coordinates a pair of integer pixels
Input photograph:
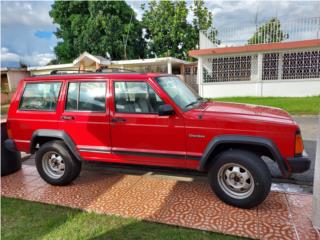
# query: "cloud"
{"type": "Point", "coordinates": [26, 27]}
{"type": "Point", "coordinates": [34, 59]}
{"type": "Point", "coordinates": [27, 33]}
{"type": "Point", "coordinates": [7, 56]}
{"type": "Point", "coordinates": [30, 14]}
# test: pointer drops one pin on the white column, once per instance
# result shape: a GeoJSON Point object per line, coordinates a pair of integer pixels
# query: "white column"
{"type": "Point", "coordinates": [316, 185]}
{"type": "Point", "coordinates": [259, 75]}
{"type": "Point", "coordinates": [169, 67]}
{"type": "Point", "coordinates": [200, 75]}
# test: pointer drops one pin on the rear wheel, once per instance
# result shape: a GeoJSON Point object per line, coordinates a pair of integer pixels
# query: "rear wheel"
{"type": "Point", "coordinates": [240, 178]}
{"type": "Point", "coordinates": [56, 165]}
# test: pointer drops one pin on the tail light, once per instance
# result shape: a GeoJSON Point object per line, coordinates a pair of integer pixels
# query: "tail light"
{"type": "Point", "coordinates": [298, 149]}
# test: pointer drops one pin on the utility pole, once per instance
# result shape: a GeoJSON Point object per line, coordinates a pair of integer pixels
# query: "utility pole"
{"type": "Point", "coordinates": [316, 185]}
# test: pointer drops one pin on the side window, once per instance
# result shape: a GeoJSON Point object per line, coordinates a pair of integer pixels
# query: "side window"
{"type": "Point", "coordinates": [40, 96]}
{"type": "Point", "coordinates": [136, 97]}
{"type": "Point", "coordinates": [86, 96]}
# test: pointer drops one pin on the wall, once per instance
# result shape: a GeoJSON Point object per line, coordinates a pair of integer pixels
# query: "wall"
{"type": "Point", "coordinates": [276, 88]}
{"type": "Point", "coordinates": [14, 78]}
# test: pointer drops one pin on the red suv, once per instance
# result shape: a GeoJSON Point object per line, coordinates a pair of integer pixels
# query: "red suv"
{"type": "Point", "coordinates": [151, 119]}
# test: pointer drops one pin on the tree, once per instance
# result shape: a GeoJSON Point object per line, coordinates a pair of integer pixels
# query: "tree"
{"type": "Point", "coordinates": [52, 62]}
{"type": "Point", "coordinates": [97, 27]}
{"type": "Point", "coordinates": [202, 20]}
{"type": "Point", "coordinates": [22, 64]}
{"type": "Point", "coordinates": [268, 33]}
{"type": "Point", "coordinates": [166, 28]}
{"type": "Point", "coordinates": [168, 32]}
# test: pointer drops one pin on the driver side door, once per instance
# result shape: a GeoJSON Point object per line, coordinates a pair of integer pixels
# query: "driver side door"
{"type": "Point", "coordinates": [138, 134]}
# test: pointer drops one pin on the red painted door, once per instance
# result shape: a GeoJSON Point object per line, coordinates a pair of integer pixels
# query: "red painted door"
{"type": "Point", "coordinates": [139, 135]}
{"type": "Point", "coordinates": [86, 118]}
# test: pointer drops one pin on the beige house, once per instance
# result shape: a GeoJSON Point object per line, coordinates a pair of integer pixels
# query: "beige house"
{"type": "Point", "coordinates": [89, 62]}
{"type": "Point", "coordinates": [10, 78]}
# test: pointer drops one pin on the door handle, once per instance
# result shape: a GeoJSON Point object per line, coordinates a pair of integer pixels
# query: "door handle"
{"type": "Point", "coordinates": [67, 117]}
{"type": "Point", "coordinates": [116, 120]}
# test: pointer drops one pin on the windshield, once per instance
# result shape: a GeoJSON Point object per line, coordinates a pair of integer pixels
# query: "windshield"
{"type": "Point", "coordinates": [181, 94]}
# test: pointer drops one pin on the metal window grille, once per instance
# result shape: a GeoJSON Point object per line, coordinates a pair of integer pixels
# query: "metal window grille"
{"type": "Point", "coordinates": [227, 69]}
{"type": "Point", "coordinates": [299, 65]}
{"type": "Point", "coordinates": [270, 66]}
{"type": "Point", "coordinates": [188, 70]}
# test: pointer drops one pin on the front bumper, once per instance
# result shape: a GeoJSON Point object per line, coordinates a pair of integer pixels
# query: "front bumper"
{"type": "Point", "coordinates": [299, 164]}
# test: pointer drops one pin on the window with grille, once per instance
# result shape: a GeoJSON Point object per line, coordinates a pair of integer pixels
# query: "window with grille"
{"type": "Point", "coordinates": [298, 65]}
{"type": "Point", "coordinates": [270, 66]}
{"type": "Point", "coordinates": [227, 69]}
{"type": "Point", "coordinates": [188, 70]}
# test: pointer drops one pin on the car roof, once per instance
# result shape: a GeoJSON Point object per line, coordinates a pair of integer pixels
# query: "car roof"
{"type": "Point", "coordinates": [94, 76]}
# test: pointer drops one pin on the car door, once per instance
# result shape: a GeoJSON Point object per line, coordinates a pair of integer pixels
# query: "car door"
{"type": "Point", "coordinates": [86, 118]}
{"type": "Point", "coordinates": [139, 135]}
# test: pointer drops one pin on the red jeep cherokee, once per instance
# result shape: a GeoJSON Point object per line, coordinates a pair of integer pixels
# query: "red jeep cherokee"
{"type": "Point", "coordinates": [151, 119]}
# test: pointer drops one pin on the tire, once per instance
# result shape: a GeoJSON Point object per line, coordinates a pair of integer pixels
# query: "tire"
{"type": "Point", "coordinates": [10, 159]}
{"type": "Point", "coordinates": [56, 165]}
{"type": "Point", "coordinates": [240, 178]}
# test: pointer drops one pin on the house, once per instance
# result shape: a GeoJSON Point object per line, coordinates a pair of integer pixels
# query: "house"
{"type": "Point", "coordinates": [281, 60]}
{"type": "Point", "coordinates": [271, 69]}
{"type": "Point", "coordinates": [10, 78]}
{"type": "Point", "coordinates": [89, 62]}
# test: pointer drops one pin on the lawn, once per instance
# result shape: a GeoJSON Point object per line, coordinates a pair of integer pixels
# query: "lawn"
{"type": "Point", "coordinates": [293, 105]}
{"type": "Point", "coordinates": [29, 220]}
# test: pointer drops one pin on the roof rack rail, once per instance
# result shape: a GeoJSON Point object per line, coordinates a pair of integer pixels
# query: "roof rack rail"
{"type": "Point", "coordinates": [105, 69]}
{"type": "Point", "coordinates": [55, 72]}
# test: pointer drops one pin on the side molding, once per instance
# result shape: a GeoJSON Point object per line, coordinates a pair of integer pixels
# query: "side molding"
{"type": "Point", "coordinates": [55, 134]}
{"type": "Point", "coordinates": [246, 140]}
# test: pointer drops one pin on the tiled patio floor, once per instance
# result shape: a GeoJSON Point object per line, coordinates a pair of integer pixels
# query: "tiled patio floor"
{"type": "Point", "coordinates": [187, 204]}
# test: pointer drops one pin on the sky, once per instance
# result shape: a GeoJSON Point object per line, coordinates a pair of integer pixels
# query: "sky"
{"type": "Point", "coordinates": [27, 31]}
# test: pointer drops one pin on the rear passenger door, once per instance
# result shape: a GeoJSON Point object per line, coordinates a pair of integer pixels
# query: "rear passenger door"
{"type": "Point", "coordinates": [86, 118]}
{"type": "Point", "coordinates": [139, 135]}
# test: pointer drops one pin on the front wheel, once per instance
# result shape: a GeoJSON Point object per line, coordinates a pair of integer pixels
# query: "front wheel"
{"type": "Point", "coordinates": [55, 164]}
{"type": "Point", "coordinates": [240, 178]}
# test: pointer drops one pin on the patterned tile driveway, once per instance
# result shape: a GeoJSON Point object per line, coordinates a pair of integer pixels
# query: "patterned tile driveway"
{"type": "Point", "coordinates": [187, 204]}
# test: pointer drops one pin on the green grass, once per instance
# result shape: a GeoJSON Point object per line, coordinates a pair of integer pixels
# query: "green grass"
{"type": "Point", "coordinates": [29, 220]}
{"type": "Point", "coordinates": [293, 105]}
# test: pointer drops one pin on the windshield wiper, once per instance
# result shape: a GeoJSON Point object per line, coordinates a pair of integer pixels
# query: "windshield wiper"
{"type": "Point", "coordinates": [199, 100]}
{"type": "Point", "coordinates": [190, 104]}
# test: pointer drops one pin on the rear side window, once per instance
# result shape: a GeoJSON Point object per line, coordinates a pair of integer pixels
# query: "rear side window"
{"type": "Point", "coordinates": [40, 96]}
{"type": "Point", "coordinates": [86, 96]}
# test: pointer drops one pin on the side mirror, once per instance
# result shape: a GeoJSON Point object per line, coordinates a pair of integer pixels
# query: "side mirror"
{"type": "Point", "coordinates": [166, 110]}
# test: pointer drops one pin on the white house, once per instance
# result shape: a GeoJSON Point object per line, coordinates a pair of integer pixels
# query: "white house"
{"type": "Point", "coordinates": [272, 69]}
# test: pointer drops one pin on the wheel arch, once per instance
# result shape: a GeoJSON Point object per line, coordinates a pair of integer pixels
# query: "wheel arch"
{"type": "Point", "coordinates": [42, 136]}
{"type": "Point", "coordinates": [259, 145]}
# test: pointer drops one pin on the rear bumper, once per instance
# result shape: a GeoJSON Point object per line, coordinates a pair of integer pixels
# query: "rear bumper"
{"type": "Point", "coordinates": [299, 164]}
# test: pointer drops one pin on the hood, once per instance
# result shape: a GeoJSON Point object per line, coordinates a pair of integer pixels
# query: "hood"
{"type": "Point", "coordinates": [246, 109]}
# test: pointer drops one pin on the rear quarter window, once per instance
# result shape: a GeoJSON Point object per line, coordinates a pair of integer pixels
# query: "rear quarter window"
{"type": "Point", "coordinates": [40, 96]}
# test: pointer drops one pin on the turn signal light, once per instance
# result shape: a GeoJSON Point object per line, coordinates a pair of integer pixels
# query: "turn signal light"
{"type": "Point", "coordinates": [298, 150]}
